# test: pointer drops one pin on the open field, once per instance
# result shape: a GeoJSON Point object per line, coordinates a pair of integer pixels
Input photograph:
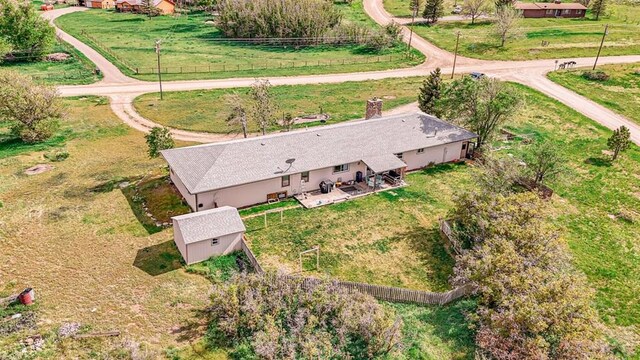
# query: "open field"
{"type": "Point", "coordinates": [193, 50]}
{"type": "Point", "coordinates": [77, 70]}
{"type": "Point", "coordinates": [567, 37]}
{"type": "Point", "coordinates": [400, 8]}
{"type": "Point", "coordinates": [79, 245]}
{"type": "Point", "coordinates": [207, 109]}
{"type": "Point", "coordinates": [621, 93]}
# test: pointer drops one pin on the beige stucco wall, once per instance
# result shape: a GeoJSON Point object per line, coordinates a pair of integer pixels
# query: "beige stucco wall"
{"type": "Point", "coordinates": [191, 199]}
{"type": "Point", "coordinates": [202, 250]}
{"type": "Point", "coordinates": [177, 238]}
{"type": "Point", "coordinates": [166, 7]}
{"type": "Point", "coordinates": [435, 154]}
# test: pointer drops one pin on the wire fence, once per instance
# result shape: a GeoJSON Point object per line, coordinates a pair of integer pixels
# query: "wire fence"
{"type": "Point", "coordinates": [273, 65]}
{"type": "Point", "coordinates": [105, 49]}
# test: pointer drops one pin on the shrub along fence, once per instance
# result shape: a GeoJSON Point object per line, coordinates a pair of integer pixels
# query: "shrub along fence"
{"type": "Point", "coordinates": [385, 293]}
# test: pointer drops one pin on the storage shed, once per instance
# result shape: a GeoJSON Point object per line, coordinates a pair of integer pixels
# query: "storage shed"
{"type": "Point", "coordinates": [203, 234]}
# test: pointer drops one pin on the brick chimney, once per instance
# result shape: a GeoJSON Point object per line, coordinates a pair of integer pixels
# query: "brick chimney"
{"type": "Point", "coordinates": [374, 109]}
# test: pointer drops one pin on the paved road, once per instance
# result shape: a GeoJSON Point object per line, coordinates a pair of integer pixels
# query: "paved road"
{"type": "Point", "coordinates": [122, 89]}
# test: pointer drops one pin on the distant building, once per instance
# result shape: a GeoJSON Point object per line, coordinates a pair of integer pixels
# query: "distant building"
{"type": "Point", "coordinates": [555, 9]}
{"type": "Point", "coordinates": [164, 6]}
{"type": "Point", "coordinates": [100, 4]}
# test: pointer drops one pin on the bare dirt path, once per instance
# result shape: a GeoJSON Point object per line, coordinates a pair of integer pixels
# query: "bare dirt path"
{"type": "Point", "coordinates": [122, 89]}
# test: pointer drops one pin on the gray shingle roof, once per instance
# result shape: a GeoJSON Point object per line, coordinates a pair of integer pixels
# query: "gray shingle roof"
{"type": "Point", "coordinates": [209, 224]}
{"type": "Point", "coordinates": [383, 162]}
{"type": "Point", "coordinates": [214, 166]}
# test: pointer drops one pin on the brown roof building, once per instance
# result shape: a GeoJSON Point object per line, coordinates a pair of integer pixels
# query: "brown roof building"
{"type": "Point", "coordinates": [551, 10]}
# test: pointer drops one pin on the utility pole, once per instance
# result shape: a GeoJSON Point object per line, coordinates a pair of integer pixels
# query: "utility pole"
{"type": "Point", "coordinates": [455, 54]}
{"type": "Point", "coordinates": [414, 9]}
{"type": "Point", "coordinates": [159, 72]}
{"type": "Point", "coordinates": [606, 27]}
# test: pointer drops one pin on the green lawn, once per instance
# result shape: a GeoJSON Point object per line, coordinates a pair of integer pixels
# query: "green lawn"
{"type": "Point", "coordinates": [621, 93]}
{"type": "Point", "coordinates": [191, 49]}
{"type": "Point", "coordinates": [400, 8]}
{"type": "Point", "coordinates": [566, 37]}
{"type": "Point", "coordinates": [207, 110]}
{"type": "Point", "coordinates": [75, 71]}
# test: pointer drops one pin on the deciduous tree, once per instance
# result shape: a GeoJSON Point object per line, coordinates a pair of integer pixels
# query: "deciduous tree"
{"type": "Point", "coordinates": [433, 9]}
{"type": "Point", "coordinates": [544, 162]}
{"type": "Point", "coordinates": [158, 139]}
{"type": "Point", "coordinates": [238, 115]}
{"type": "Point", "coordinates": [619, 141]}
{"type": "Point", "coordinates": [262, 109]}
{"type": "Point", "coordinates": [274, 316]}
{"type": "Point", "coordinates": [506, 22]}
{"type": "Point", "coordinates": [33, 110]}
{"type": "Point", "coordinates": [430, 93]}
{"type": "Point", "coordinates": [480, 105]}
{"type": "Point", "coordinates": [598, 7]}
{"type": "Point", "coordinates": [474, 9]}
{"type": "Point", "coordinates": [29, 35]}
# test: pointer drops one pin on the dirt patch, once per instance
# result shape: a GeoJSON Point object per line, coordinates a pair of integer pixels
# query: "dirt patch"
{"type": "Point", "coordinates": [38, 169]}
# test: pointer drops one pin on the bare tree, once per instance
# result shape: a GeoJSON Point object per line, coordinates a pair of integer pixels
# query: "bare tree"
{"type": "Point", "coordinates": [544, 162]}
{"type": "Point", "coordinates": [474, 9]}
{"type": "Point", "coordinates": [262, 110]}
{"type": "Point", "coordinates": [238, 115]}
{"type": "Point", "coordinates": [288, 121]}
{"type": "Point", "coordinates": [506, 24]}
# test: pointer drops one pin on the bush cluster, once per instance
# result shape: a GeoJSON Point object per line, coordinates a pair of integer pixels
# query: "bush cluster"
{"type": "Point", "coordinates": [595, 75]}
{"type": "Point", "coordinates": [277, 18]}
{"type": "Point", "coordinates": [275, 316]}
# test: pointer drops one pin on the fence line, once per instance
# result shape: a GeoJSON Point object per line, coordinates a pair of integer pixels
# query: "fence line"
{"type": "Point", "coordinates": [216, 68]}
{"type": "Point", "coordinates": [106, 49]}
{"type": "Point", "coordinates": [452, 240]}
{"type": "Point", "coordinates": [386, 293]}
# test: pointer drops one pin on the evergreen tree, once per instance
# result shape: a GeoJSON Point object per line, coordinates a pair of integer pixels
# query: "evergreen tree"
{"type": "Point", "coordinates": [433, 9]}
{"type": "Point", "coordinates": [503, 3]}
{"type": "Point", "coordinates": [430, 92]}
{"type": "Point", "coordinates": [619, 141]}
{"type": "Point", "coordinates": [598, 7]}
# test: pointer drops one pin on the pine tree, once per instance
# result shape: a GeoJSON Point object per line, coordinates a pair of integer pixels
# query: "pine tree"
{"type": "Point", "coordinates": [430, 92]}
{"type": "Point", "coordinates": [433, 9]}
{"type": "Point", "coordinates": [619, 141]}
{"type": "Point", "coordinates": [598, 7]}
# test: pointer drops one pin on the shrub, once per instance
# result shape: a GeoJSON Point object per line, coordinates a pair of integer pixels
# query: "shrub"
{"type": "Point", "coordinates": [275, 316]}
{"type": "Point", "coordinates": [57, 155]}
{"type": "Point", "coordinates": [308, 19]}
{"type": "Point", "coordinates": [384, 38]}
{"type": "Point", "coordinates": [21, 27]}
{"type": "Point", "coordinates": [595, 75]}
{"type": "Point", "coordinates": [158, 139]}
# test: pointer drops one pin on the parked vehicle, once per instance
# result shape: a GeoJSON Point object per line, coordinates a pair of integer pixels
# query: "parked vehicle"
{"type": "Point", "coordinates": [477, 75]}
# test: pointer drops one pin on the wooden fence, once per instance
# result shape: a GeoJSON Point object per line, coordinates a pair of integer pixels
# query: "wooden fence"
{"type": "Point", "coordinates": [450, 238]}
{"type": "Point", "coordinates": [385, 293]}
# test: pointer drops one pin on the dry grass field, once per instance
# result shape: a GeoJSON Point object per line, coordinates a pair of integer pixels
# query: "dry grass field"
{"type": "Point", "coordinates": [71, 235]}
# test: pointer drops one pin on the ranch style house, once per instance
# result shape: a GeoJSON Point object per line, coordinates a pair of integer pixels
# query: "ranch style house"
{"type": "Point", "coordinates": [362, 154]}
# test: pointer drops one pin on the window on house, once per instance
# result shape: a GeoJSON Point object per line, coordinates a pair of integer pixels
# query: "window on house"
{"type": "Point", "coordinates": [305, 176]}
{"type": "Point", "coordinates": [578, 12]}
{"type": "Point", "coordinates": [420, 151]}
{"type": "Point", "coordinates": [285, 181]}
{"type": "Point", "coordinates": [566, 11]}
{"type": "Point", "coordinates": [341, 168]}
{"type": "Point", "coordinates": [214, 242]}
{"type": "Point", "coordinates": [398, 155]}
{"type": "Point", "coordinates": [549, 11]}
{"type": "Point", "coordinates": [464, 146]}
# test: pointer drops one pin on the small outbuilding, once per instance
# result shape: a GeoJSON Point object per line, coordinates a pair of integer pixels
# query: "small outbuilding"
{"type": "Point", "coordinates": [203, 234]}
{"type": "Point", "coordinates": [555, 9]}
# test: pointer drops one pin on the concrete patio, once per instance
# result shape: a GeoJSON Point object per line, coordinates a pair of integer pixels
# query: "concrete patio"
{"type": "Point", "coordinates": [316, 198]}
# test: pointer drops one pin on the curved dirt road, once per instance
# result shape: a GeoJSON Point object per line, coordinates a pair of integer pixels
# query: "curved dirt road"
{"type": "Point", "coordinates": [122, 89]}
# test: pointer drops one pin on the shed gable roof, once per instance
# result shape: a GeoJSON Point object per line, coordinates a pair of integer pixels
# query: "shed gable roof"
{"type": "Point", "coordinates": [209, 224]}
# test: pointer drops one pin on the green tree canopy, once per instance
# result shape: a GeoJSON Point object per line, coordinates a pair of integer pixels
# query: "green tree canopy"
{"type": "Point", "coordinates": [158, 139]}
{"type": "Point", "coordinates": [619, 141]}
{"type": "Point", "coordinates": [29, 35]}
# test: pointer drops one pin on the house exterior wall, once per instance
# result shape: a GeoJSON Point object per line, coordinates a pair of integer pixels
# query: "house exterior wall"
{"type": "Point", "coordinates": [177, 238]}
{"type": "Point", "coordinates": [256, 193]}
{"type": "Point", "coordinates": [202, 250]}
{"type": "Point", "coordinates": [551, 13]}
{"type": "Point", "coordinates": [166, 7]}
{"type": "Point", "coordinates": [191, 199]}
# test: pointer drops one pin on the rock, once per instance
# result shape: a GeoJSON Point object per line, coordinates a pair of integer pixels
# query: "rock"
{"type": "Point", "coordinates": [123, 184]}
{"type": "Point", "coordinates": [58, 57]}
{"type": "Point", "coordinates": [38, 169]}
{"type": "Point", "coordinates": [69, 329]}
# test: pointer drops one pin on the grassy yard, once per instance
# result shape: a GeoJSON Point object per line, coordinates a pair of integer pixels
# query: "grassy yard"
{"type": "Point", "coordinates": [391, 239]}
{"type": "Point", "coordinates": [400, 8]}
{"type": "Point", "coordinates": [77, 70]}
{"type": "Point", "coordinates": [621, 93]}
{"type": "Point", "coordinates": [192, 49]}
{"type": "Point", "coordinates": [207, 110]}
{"type": "Point", "coordinates": [80, 246]}
{"type": "Point", "coordinates": [566, 37]}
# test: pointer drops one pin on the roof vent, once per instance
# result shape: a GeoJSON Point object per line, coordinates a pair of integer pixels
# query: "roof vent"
{"type": "Point", "coordinates": [318, 135]}
{"type": "Point", "coordinates": [262, 143]}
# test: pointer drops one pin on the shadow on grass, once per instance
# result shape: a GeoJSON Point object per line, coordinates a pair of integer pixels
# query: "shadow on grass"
{"type": "Point", "coordinates": [598, 161]}
{"type": "Point", "coordinates": [429, 247]}
{"type": "Point", "coordinates": [12, 146]}
{"type": "Point", "coordinates": [158, 259]}
{"type": "Point", "coordinates": [442, 168]}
